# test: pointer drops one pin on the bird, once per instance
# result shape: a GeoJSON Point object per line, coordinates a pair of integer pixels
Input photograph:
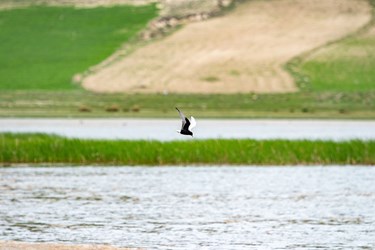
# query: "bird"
{"type": "Point", "coordinates": [187, 125]}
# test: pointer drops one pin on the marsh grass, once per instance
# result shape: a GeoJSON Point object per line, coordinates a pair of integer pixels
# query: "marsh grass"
{"type": "Point", "coordinates": [42, 148]}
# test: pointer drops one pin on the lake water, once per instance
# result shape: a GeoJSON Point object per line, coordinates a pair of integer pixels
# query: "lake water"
{"type": "Point", "coordinates": [191, 207]}
{"type": "Point", "coordinates": [158, 129]}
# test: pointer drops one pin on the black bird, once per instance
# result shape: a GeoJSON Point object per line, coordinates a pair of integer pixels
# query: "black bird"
{"type": "Point", "coordinates": [186, 124]}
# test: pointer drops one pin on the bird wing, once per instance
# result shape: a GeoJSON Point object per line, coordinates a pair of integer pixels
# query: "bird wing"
{"type": "Point", "coordinates": [183, 118]}
{"type": "Point", "coordinates": [193, 123]}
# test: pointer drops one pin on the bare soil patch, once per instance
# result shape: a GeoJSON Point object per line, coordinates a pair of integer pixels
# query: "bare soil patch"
{"type": "Point", "coordinates": [243, 51]}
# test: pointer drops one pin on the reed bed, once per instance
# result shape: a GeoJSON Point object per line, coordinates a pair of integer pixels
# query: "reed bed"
{"type": "Point", "coordinates": [42, 148]}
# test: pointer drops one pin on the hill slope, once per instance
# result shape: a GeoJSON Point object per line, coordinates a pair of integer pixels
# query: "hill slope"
{"type": "Point", "coordinates": [241, 52]}
{"type": "Point", "coordinates": [42, 48]}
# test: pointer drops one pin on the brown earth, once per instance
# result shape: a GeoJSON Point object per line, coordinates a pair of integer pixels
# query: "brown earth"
{"type": "Point", "coordinates": [13, 245]}
{"type": "Point", "coordinates": [338, 51]}
{"type": "Point", "coordinates": [243, 51]}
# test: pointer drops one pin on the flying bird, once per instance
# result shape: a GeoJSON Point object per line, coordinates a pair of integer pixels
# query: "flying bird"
{"type": "Point", "coordinates": [186, 124]}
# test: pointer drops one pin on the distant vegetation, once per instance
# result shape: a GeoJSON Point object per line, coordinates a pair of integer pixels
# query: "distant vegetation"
{"type": "Point", "coordinates": [85, 104]}
{"type": "Point", "coordinates": [40, 148]}
{"type": "Point", "coordinates": [42, 48]}
{"type": "Point", "coordinates": [345, 66]}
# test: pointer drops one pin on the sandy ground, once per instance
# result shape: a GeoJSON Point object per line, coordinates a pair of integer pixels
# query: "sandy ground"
{"type": "Point", "coordinates": [13, 245]}
{"type": "Point", "coordinates": [339, 51]}
{"type": "Point", "coordinates": [240, 52]}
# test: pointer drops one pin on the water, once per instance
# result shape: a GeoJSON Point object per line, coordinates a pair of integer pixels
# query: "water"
{"type": "Point", "coordinates": [191, 207]}
{"type": "Point", "coordinates": [159, 129]}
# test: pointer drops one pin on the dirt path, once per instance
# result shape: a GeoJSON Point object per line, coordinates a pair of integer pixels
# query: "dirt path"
{"type": "Point", "coordinates": [14, 245]}
{"type": "Point", "coordinates": [241, 52]}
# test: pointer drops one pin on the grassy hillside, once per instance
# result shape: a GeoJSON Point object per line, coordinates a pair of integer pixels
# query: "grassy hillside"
{"type": "Point", "coordinates": [345, 66]}
{"type": "Point", "coordinates": [39, 148]}
{"type": "Point", "coordinates": [336, 81]}
{"type": "Point", "coordinates": [240, 52]}
{"type": "Point", "coordinates": [42, 48]}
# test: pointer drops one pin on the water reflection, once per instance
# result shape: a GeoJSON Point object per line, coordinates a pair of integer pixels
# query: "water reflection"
{"type": "Point", "coordinates": [191, 207]}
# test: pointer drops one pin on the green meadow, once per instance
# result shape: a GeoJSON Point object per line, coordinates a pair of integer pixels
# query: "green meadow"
{"type": "Point", "coordinates": [50, 149]}
{"type": "Point", "coordinates": [347, 67]}
{"type": "Point", "coordinates": [343, 67]}
{"type": "Point", "coordinates": [42, 48]}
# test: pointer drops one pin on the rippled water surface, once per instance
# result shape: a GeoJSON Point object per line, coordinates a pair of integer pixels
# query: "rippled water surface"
{"type": "Point", "coordinates": [191, 207]}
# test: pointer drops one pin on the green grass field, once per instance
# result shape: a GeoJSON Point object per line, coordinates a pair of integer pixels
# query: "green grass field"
{"type": "Point", "coordinates": [42, 48]}
{"type": "Point", "coordinates": [348, 68]}
{"type": "Point", "coordinates": [345, 66]}
{"type": "Point", "coordinates": [39, 148]}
